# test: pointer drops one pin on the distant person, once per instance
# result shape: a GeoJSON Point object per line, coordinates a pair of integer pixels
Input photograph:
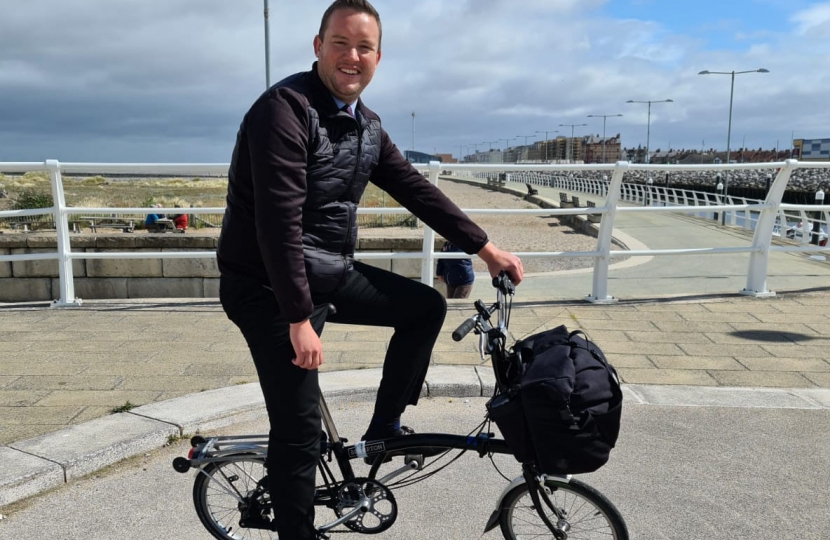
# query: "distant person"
{"type": "Point", "coordinates": [456, 273]}
{"type": "Point", "coordinates": [150, 222]}
{"type": "Point", "coordinates": [180, 220]}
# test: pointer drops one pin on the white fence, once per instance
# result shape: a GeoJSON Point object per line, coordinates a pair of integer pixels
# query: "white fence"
{"type": "Point", "coordinates": [764, 217]}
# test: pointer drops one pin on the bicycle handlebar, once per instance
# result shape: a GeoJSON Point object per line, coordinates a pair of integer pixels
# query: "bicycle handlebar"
{"type": "Point", "coordinates": [505, 286]}
{"type": "Point", "coordinates": [465, 328]}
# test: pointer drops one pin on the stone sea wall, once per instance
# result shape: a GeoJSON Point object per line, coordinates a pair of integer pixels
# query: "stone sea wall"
{"type": "Point", "coordinates": [23, 281]}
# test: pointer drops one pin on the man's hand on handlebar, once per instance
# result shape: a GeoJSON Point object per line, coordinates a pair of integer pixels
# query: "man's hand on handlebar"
{"type": "Point", "coordinates": [498, 260]}
{"type": "Point", "coordinates": [306, 345]}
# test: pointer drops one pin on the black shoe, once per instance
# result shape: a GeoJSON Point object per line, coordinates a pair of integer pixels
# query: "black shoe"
{"type": "Point", "coordinates": [400, 432]}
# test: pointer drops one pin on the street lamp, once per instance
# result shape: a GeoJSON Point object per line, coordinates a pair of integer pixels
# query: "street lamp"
{"type": "Point", "coordinates": [604, 116]}
{"type": "Point", "coordinates": [648, 124]}
{"type": "Point", "coordinates": [413, 131]}
{"type": "Point", "coordinates": [504, 150]}
{"type": "Point", "coordinates": [572, 137]}
{"type": "Point", "coordinates": [729, 129]}
{"type": "Point", "coordinates": [526, 137]}
{"type": "Point", "coordinates": [546, 141]}
{"type": "Point", "coordinates": [267, 47]}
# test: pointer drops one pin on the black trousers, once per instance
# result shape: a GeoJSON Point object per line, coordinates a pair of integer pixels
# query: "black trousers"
{"type": "Point", "coordinates": [370, 296]}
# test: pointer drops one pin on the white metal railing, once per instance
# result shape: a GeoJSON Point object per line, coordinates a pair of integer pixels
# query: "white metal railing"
{"type": "Point", "coordinates": [764, 216]}
{"type": "Point", "coordinates": [793, 221]}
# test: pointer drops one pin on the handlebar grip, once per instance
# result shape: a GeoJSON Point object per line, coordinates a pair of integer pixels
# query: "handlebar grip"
{"type": "Point", "coordinates": [464, 329]}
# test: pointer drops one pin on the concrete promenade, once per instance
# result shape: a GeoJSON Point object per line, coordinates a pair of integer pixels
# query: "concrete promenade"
{"type": "Point", "coordinates": [680, 333]}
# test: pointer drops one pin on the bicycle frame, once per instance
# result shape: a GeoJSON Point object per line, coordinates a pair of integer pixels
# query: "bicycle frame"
{"type": "Point", "coordinates": [414, 447]}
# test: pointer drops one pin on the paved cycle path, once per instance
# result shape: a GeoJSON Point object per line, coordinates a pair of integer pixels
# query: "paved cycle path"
{"type": "Point", "coordinates": [64, 371]}
{"type": "Point", "coordinates": [677, 472]}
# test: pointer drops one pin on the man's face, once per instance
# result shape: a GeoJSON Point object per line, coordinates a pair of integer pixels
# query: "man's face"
{"type": "Point", "coordinates": [348, 53]}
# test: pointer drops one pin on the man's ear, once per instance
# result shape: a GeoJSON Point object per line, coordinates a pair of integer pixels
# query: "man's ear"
{"type": "Point", "coordinates": [317, 44]}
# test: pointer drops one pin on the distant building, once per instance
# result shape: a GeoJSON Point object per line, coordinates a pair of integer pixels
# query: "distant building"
{"type": "Point", "coordinates": [446, 158]}
{"type": "Point", "coordinates": [599, 150]}
{"type": "Point", "coordinates": [811, 149]}
{"type": "Point", "coordinates": [419, 157]}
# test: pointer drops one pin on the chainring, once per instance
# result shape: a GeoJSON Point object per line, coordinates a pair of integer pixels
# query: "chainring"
{"type": "Point", "coordinates": [382, 511]}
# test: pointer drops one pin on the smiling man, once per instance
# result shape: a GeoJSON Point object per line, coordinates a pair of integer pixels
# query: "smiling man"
{"type": "Point", "coordinates": [304, 154]}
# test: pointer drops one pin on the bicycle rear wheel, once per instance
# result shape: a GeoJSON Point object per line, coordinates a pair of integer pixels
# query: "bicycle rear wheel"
{"type": "Point", "coordinates": [227, 492]}
{"type": "Point", "coordinates": [586, 514]}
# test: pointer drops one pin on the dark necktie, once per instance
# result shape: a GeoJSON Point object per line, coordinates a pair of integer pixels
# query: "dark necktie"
{"type": "Point", "coordinates": [348, 110]}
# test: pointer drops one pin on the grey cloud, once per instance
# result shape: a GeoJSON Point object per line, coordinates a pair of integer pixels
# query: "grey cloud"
{"type": "Point", "coordinates": [143, 81]}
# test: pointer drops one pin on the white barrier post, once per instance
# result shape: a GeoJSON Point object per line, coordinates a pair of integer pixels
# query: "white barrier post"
{"type": "Point", "coordinates": [427, 261]}
{"type": "Point", "coordinates": [599, 290]}
{"type": "Point", "coordinates": [65, 278]}
{"type": "Point", "coordinates": [756, 277]}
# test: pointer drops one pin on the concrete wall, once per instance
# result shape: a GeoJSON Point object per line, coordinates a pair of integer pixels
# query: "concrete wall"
{"type": "Point", "coordinates": [23, 281]}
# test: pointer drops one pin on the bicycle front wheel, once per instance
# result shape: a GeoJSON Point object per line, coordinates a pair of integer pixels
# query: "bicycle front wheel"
{"type": "Point", "coordinates": [584, 513]}
{"type": "Point", "coordinates": [228, 492]}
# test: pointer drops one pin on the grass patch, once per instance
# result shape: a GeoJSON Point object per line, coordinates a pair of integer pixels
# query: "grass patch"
{"type": "Point", "coordinates": [123, 408]}
{"type": "Point", "coordinates": [103, 192]}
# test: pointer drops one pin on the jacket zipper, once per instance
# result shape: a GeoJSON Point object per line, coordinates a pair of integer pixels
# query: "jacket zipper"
{"type": "Point", "coordinates": [351, 182]}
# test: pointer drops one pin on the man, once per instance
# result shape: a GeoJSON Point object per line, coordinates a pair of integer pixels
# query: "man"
{"type": "Point", "coordinates": [304, 153]}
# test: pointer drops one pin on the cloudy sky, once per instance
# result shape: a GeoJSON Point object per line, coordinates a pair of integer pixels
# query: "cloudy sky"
{"type": "Point", "coordinates": [169, 80]}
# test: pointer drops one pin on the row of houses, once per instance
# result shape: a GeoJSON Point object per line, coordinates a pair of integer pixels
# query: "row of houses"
{"type": "Point", "coordinates": [596, 149]}
{"type": "Point", "coordinates": [591, 149]}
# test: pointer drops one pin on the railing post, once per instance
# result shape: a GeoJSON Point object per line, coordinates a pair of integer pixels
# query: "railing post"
{"type": "Point", "coordinates": [756, 278]}
{"type": "Point", "coordinates": [599, 289]}
{"type": "Point", "coordinates": [65, 278]}
{"type": "Point", "coordinates": [427, 260]}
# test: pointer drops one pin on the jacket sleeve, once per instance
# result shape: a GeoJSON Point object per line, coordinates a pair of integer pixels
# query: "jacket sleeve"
{"type": "Point", "coordinates": [405, 184]}
{"type": "Point", "coordinates": [277, 130]}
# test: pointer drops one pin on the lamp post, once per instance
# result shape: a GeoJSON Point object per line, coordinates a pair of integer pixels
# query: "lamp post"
{"type": "Point", "coordinates": [729, 129]}
{"type": "Point", "coordinates": [604, 116]}
{"type": "Point", "coordinates": [267, 48]}
{"type": "Point", "coordinates": [546, 141]}
{"type": "Point", "coordinates": [526, 137]}
{"type": "Point", "coordinates": [413, 131]}
{"type": "Point", "coordinates": [648, 123]}
{"type": "Point", "coordinates": [572, 137]}
{"type": "Point", "coordinates": [475, 146]}
{"type": "Point", "coordinates": [504, 150]}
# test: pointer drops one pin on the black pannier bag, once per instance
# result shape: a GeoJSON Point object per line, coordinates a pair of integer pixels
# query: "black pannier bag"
{"type": "Point", "coordinates": [559, 404]}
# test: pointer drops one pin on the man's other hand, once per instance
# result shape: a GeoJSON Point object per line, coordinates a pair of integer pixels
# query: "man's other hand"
{"type": "Point", "coordinates": [307, 345]}
{"type": "Point", "coordinates": [498, 260]}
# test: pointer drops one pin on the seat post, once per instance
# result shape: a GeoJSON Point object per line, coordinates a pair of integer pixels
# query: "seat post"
{"type": "Point", "coordinates": [328, 421]}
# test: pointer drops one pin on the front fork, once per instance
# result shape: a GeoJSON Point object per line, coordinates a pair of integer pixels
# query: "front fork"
{"type": "Point", "coordinates": [539, 495]}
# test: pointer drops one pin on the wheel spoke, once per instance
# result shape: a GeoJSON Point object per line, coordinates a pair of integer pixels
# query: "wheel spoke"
{"type": "Point", "coordinates": [586, 514]}
{"type": "Point", "coordinates": [222, 488]}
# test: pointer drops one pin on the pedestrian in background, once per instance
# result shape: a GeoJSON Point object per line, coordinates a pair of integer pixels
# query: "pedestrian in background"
{"type": "Point", "coordinates": [457, 274]}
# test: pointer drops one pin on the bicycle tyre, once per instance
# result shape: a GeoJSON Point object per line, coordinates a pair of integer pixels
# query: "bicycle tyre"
{"type": "Point", "coordinates": [589, 513]}
{"type": "Point", "coordinates": [217, 509]}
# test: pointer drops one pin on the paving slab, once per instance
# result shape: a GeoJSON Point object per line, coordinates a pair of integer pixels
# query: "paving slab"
{"type": "Point", "coordinates": [819, 395]}
{"type": "Point", "coordinates": [698, 396]}
{"type": "Point", "coordinates": [453, 381]}
{"type": "Point", "coordinates": [93, 445]}
{"type": "Point", "coordinates": [23, 475]}
{"type": "Point", "coordinates": [210, 409]}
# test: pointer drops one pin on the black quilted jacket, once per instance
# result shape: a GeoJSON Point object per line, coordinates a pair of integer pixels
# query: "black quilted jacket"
{"type": "Point", "coordinates": [299, 168]}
